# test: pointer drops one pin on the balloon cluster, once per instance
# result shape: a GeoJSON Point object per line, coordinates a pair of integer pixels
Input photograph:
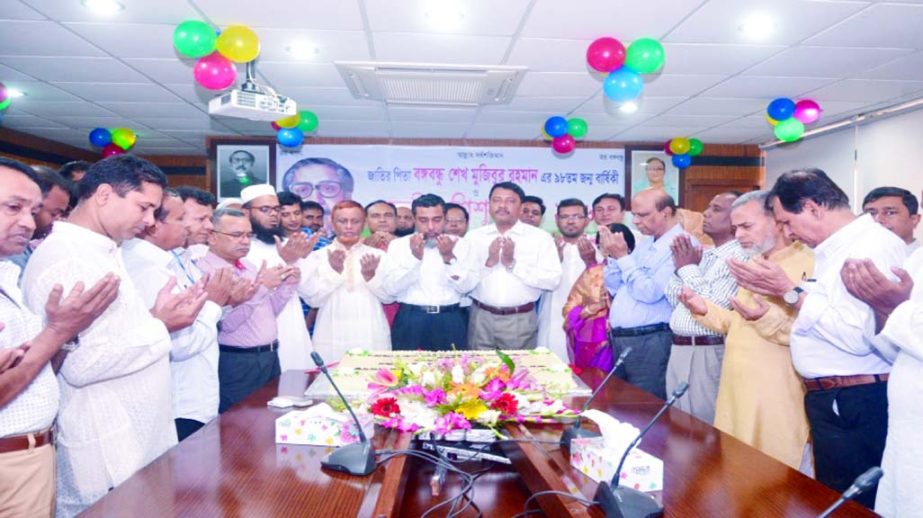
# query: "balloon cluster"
{"type": "Point", "coordinates": [215, 52]}
{"type": "Point", "coordinates": [5, 100]}
{"type": "Point", "coordinates": [564, 133]}
{"type": "Point", "coordinates": [682, 150]}
{"type": "Point", "coordinates": [290, 131]}
{"type": "Point", "coordinates": [115, 142]}
{"type": "Point", "coordinates": [625, 66]}
{"type": "Point", "coordinates": [789, 117]}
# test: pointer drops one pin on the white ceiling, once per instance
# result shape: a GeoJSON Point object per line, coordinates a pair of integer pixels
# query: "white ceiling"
{"type": "Point", "coordinates": [82, 71]}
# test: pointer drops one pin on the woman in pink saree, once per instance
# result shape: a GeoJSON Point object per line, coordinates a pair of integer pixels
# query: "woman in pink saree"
{"type": "Point", "coordinates": [586, 315]}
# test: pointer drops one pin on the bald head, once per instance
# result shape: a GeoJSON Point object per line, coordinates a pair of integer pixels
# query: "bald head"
{"type": "Point", "coordinates": [717, 218]}
{"type": "Point", "coordinates": [654, 212]}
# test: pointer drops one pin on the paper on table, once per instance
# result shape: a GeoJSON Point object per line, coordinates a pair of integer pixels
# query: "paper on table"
{"type": "Point", "coordinates": [616, 434]}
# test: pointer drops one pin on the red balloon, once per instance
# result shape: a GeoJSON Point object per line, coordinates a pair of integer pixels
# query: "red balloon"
{"type": "Point", "coordinates": [605, 54]}
{"type": "Point", "coordinates": [666, 148]}
{"type": "Point", "coordinates": [564, 144]}
{"type": "Point", "coordinates": [112, 150]}
{"type": "Point", "coordinates": [275, 127]}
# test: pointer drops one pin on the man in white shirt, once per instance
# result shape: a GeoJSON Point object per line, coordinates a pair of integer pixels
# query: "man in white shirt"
{"type": "Point", "coordinates": [345, 281]}
{"type": "Point", "coordinates": [270, 244]}
{"type": "Point", "coordinates": [517, 262]}
{"type": "Point", "coordinates": [844, 371]}
{"type": "Point", "coordinates": [430, 273]}
{"type": "Point", "coordinates": [381, 219]}
{"type": "Point", "coordinates": [897, 210]}
{"type": "Point", "coordinates": [116, 412]}
{"type": "Point", "coordinates": [576, 253]}
{"type": "Point", "coordinates": [28, 390]}
{"type": "Point", "coordinates": [198, 207]}
{"type": "Point", "coordinates": [533, 211]}
{"type": "Point", "coordinates": [151, 263]}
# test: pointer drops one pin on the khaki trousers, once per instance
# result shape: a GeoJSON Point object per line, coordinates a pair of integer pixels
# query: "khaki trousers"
{"type": "Point", "coordinates": [27, 483]}
{"type": "Point", "coordinates": [489, 331]}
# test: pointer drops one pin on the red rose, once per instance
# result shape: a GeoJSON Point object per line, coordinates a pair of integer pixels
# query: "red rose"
{"type": "Point", "coordinates": [386, 407]}
{"type": "Point", "coordinates": [506, 404]}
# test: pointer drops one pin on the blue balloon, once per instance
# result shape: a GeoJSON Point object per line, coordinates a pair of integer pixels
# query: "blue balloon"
{"type": "Point", "coordinates": [682, 161]}
{"type": "Point", "coordinates": [100, 137]}
{"type": "Point", "coordinates": [623, 84]}
{"type": "Point", "coordinates": [781, 108]}
{"type": "Point", "coordinates": [290, 137]}
{"type": "Point", "coordinates": [556, 126]}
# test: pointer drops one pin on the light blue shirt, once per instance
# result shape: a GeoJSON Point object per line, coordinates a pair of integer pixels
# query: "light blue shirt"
{"type": "Point", "coordinates": [638, 282]}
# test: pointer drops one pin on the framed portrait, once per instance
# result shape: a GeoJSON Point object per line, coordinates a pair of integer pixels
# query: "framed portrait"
{"type": "Point", "coordinates": [647, 166]}
{"type": "Point", "coordinates": [238, 163]}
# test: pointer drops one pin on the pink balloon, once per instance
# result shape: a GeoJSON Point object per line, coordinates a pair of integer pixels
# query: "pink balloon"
{"type": "Point", "coordinates": [275, 126]}
{"type": "Point", "coordinates": [563, 144]}
{"type": "Point", "coordinates": [605, 54]}
{"type": "Point", "coordinates": [666, 148]}
{"type": "Point", "coordinates": [807, 111]}
{"type": "Point", "coordinates": [112, 150]}
{"type": "Point", "coordinates": [215, 71]}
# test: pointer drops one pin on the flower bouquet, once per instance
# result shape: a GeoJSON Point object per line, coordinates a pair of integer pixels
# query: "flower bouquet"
{"type": "Point", "coordinates": [454, 393]}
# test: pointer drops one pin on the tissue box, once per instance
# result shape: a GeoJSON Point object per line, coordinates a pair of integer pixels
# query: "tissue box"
{"type": "Point", "coordinates": [641, 470]}
{"type": "Point", "coordinates": [320, 425]}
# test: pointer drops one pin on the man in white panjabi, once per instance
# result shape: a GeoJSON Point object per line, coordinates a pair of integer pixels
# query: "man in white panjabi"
{"type": "Point", "coordinates": [261, 204]}
{"type": "Point", "coordinates": [116, 412]}
{"type": "Point", "coordinates": [576, 253]}
{"type": "Point", "coordinates": [345, 281]}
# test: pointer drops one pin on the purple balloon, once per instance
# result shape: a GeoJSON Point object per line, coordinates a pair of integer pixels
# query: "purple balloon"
{"type": "Point", "coordinates": [807, 111]}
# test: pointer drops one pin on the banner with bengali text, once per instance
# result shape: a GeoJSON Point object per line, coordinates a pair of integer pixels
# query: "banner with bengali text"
{"type": "Point", "coordinates": [464, 175]}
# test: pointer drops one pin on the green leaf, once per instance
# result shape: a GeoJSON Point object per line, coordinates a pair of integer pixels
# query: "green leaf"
{"type": "Point", "coordinates": [506, 360]}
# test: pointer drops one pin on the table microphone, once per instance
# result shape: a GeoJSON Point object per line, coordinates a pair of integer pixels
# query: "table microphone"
{"type": "Point", "coordinates": [619, 501]}
{"type": "Point", "coordinates": [357, 458]}
{"type": "Point", "coordinates": [862, 483]}
{"type": "Point", "coordinates": [575, 431]}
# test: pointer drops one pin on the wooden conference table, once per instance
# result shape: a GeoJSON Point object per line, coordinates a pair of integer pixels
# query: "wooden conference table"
{"type": "Point", "coordinates": [233, 468]}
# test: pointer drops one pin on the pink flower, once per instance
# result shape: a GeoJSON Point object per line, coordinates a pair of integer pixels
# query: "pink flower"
{"type": "Point", "coordinates": [451, 421]}
{"type": "Point", "coordinates": [434, 397]}
{"type": "Point", "coordinates": [383, 380]}
{"type": "Point", "coordinates": [398, 423]}
{"type": "Point", "coordinates": [493, 389]}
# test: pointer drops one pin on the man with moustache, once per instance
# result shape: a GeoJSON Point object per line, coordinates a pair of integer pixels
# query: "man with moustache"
{"type": "Point", "coordinates": [533, 211]}
{"type": "Point", "coordinates": [517, 262]}
{"type": "Point", "coordinates": [56, 199]}
{"type": "Point", "coordinates": [248, 350]}
{"type": "Point", "coordinates": [381, 220]}
{"type": "Point", "coordinates": [404, 221]}
{"type": "Point", "coordinates": [897, 210]}
{"type": "Point", "coordinates": [29, 394]}
{"type": "Point", "coordinates": [456, 220]}
{"type": "Point", "coordinates": [238, 174]}
{"type": "Point", "coordinates": [756, 354]}
{"type": "Point", "coordinates": [430, 273]}
{"type": "Point", "coordinates": [697, 352]}
{"type": "Point", "coordinates": [608, 208]}
{"type": "Point", "coordinates": [321, 180]}
{"type": "Point", "coordinates": [576, 253]}
{"type": "Point", "coordinates": [345, 281]}
{"type": "Point", "coordinates": [261, 205]}
{"type": "Point", "coordinates": [116, 411]}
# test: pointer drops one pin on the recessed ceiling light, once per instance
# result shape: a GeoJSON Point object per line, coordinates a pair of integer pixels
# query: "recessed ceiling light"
{"type": "Point", "coordinates": [629, 107]}
{"type": "Point", "coordinates": [103, 7]}
{"type": "Point", "coordinates": [302, 50]}
{"type": "Point", "coordinates": [757, 26]}
{"type": "Point", "coordinates": [15, 93]}
{"type": "Point", "coordinates": [444, 15]}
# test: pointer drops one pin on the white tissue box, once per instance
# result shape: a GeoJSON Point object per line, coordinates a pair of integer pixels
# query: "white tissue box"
{"type": "Point", "coordinates": [641, 471]}
{"type": "Point", "coordinates": [320, 425]}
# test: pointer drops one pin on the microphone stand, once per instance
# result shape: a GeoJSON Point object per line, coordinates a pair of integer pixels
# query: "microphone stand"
{"type": "Point", "coordinates": [576, 431]}
{"type": "Point", "coordinates": [862, 483]}
{"type": "Point", "coordinates": [357, 458]}
{"type": "Point", "coordinates": [619, 501]}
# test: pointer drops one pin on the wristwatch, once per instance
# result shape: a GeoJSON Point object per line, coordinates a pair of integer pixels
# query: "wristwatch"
{"type": "Point", "coordinates": [791, 296]}
{"type": "Point", "coordinates": [451, 261]}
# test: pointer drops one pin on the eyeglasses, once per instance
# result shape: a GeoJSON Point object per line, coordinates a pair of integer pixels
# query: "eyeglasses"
{"type": "Point", "coordinates": [327, 188]}
{"type": "Point", "coordinates": [268, 209]}
{"type": "Point", "coordinates": [570, 217]}
{"type": "Point", "coordinates": [236, 235]}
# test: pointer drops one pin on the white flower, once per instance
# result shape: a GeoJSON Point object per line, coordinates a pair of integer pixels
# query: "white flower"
{"type": "Point", "coordinates": [415, 369]}
{"type": "Point", "coordinates": [479, 376]}
{"type": "Point", "coordinates": [489, 417]}
{"type": "Point", "coordinates": [428, 379]}
{"type": "Point", "coordinates": [418, 413]}
{"type": "Point", "coordinates": [458, 374]}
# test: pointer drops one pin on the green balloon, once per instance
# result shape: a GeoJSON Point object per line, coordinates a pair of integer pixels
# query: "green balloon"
{"type": "Point", "coordinates": [307, 121]}
{"type": "Point", "coordinates": [5, 103]}
{"type": "Point", "coordinates": [695, 147]}
{"type": "Point", "coordinates": [194, 39]}
{"type": "Point", "coordinates": [645, 56]}
{"type": "Point", "coordinates": [789, 130]}
{"type": "Point", "coordinates": [576, 128]}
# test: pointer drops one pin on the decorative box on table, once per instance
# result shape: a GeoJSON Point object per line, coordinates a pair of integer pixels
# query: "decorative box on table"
{"type": "Point", "coordinates": [320, 425]}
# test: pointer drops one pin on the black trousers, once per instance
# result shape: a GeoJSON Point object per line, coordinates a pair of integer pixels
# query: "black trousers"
{"type": "Point", "coordinates": [646, 366]}
{"type": "Point", "coordinates": [850, 437]}
{"type": "Point", "coordinates": [186, 427]}
{"type": "Point", "coordinates": [241, 373]}
{"type": "Point", "coordinates": [415, 329]}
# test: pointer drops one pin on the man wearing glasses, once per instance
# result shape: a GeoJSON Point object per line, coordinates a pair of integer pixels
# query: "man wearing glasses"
{"type": "Point", "coordinates": [239, 174]}
{"type": "Point", "coordinates": [895, 209]}
{"type": "Point", "coordinates": [320, 180]}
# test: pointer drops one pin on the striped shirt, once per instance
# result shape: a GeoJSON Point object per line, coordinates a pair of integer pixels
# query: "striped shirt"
{"type": "Point", "coordinates": [711, 280]}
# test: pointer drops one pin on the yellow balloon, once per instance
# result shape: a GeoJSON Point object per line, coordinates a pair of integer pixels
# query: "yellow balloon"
{"type": "Point", "coordinates": [679, 145]}
{"type": "Point", "coordinates": [239, 44]}
{"type": "Point", "coordinates": [770, 120]}
{"type": "Point", "coordinates": [289, 122]}
{"type": "Point", "coordinates": [546, 136]}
